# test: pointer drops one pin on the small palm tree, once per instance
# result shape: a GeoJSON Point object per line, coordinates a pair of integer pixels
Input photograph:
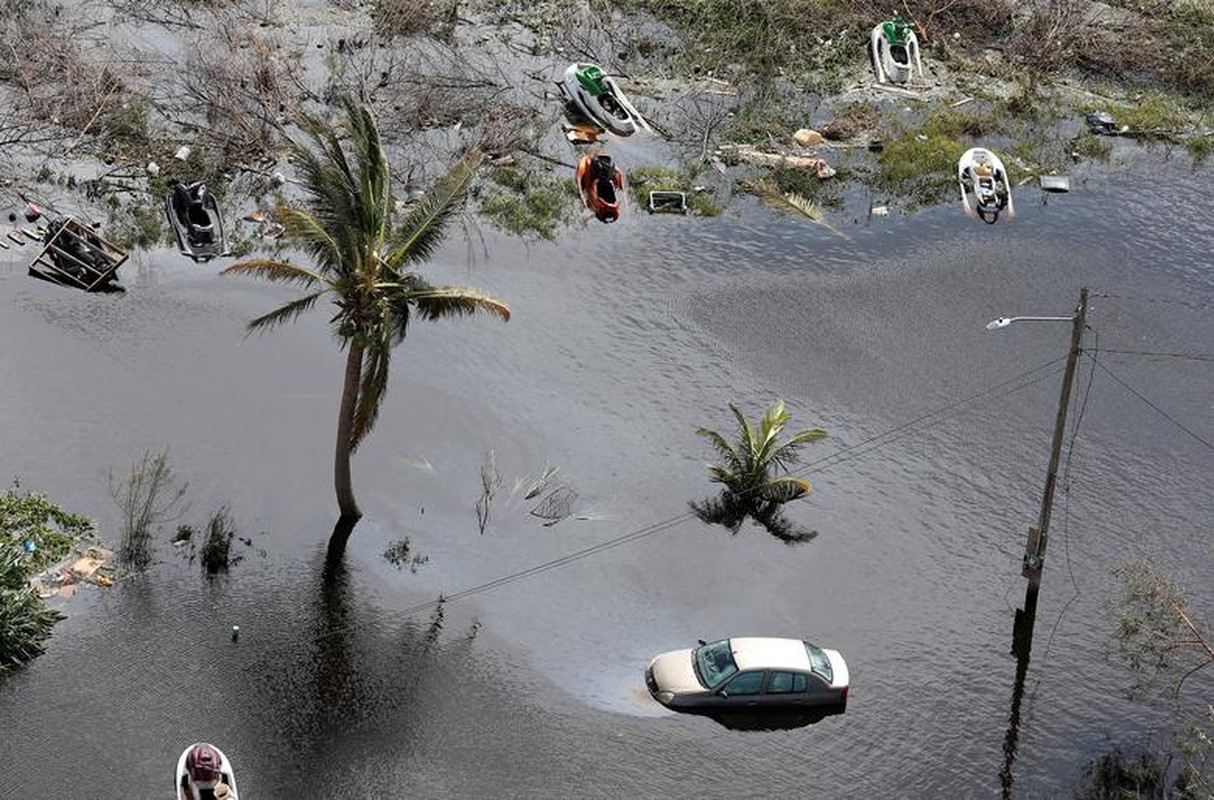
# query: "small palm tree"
{"type": "Point", "coordinates": [749, 463]}
{"type": "Point", "coordinates": [364, 265]}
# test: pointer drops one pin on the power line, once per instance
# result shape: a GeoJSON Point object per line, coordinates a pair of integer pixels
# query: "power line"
{"type": "Point", "coordinates": [1163, 300]}
{"type": "Point", "coordinates": [1144, 399]}
{"type": "Point", "coordinates": [656, 527]}
{"type": "Point", "coordinates": [1184, 356]}
{"type": "Point", "coordinates": [849, 452]}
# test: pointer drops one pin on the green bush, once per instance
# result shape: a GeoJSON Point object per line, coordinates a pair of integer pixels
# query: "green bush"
{"type": "Point", "coordinates": [25, 621]}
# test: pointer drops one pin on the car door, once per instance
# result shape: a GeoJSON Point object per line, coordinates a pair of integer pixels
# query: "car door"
{"type": "Point", "coordinates": [743, 690]}
{"type": "Point", "coordinates": [786, 689]}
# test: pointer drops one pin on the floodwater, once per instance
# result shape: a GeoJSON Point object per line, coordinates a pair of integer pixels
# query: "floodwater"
{"type": "Point", "coordinates": [625, 340]}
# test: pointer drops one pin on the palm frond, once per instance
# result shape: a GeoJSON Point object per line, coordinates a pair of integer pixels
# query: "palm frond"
{"type": "Point", "coordinates": [787, 454]}
{"type": "Point", "coordinates": [275, 271]}
{"type": "Point", "coordinates": [783, 489]}
{"type": "Point", "coordinates": [288, 313]}
{"type": "Point", "coordinates": [719, 443]}
{"type": "Point", "coordinates": [747, 447]}
{"type": "Point", "coordinates": [439, 302]}
{"type": "Point", "coordinates": [770, 194]}
{"type": "Point", "coordinates": [315, 238]}
{"type": "Point", "coordinates": [420, 232]}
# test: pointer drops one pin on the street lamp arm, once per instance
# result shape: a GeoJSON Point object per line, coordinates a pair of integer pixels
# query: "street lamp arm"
{"type": "Point", "coordinates": [1003, 322]}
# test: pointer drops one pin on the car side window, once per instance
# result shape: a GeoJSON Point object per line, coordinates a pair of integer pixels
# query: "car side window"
{"type": "Point", "coordinates": [786, 683]}
{"type": "Point", "coordinates": [745, 683]}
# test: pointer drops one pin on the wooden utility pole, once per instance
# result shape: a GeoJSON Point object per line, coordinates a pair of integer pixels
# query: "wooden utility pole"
{"type": "Point", "coordinates": [1034, 550]}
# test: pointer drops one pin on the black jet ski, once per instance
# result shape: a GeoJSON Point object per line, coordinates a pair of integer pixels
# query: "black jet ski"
{"type": "Point", "coordinates": [194, 215]}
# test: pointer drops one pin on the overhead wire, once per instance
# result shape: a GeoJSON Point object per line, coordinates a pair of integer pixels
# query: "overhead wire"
{"type": "Point", "coordinates": [656, 527]}
{"type": "Point", "coordinates": [1154, 354]}
{"type": "Point", "coordinates": [1147, 400]}
{"type": "Point", "coordinates": [1162, 300]}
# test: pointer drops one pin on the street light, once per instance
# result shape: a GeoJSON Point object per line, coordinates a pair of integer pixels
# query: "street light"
{"type": "Point", "coordinates": [1003, 322]}
{"type": "Point", "coordinates": [1034, 550]}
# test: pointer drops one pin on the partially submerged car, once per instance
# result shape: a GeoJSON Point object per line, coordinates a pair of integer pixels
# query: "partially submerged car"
{"type": "Point", "coordinates": [750, 673]}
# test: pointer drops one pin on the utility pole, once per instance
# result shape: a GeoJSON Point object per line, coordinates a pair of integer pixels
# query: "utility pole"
{"type": "Point", "coordinates": [1034, 550]}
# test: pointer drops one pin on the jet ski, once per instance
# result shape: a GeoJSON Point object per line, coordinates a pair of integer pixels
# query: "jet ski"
{"type": "Point", "coordinates": [204, 773]}
{"type": "Point", "coordinates": [194, 215]}
{"type": "Point", "coordinates": [982, 177]}
{"type": "Point", "coordinates": [894, 51]}
{"type": "Point", "coordinates": [593, 95]}
{"type": "Point", "coordinates": [600, 185]}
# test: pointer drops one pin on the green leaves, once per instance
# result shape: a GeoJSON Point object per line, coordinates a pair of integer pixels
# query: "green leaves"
{"type": "Point", "coordinates": [25, 621]}
{"type": "Point", "coordinates": [756, 453]}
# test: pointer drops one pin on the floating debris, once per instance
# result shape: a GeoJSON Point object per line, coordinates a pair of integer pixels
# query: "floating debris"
{"type": "Point", "coordinates": [77, 256]}
{"type": "Point", "coordinates": [667, 202]}
{"type": "Point", "coordinates": [1103, 124]}
{"type": "Point", "coordinates": [1055, 183]}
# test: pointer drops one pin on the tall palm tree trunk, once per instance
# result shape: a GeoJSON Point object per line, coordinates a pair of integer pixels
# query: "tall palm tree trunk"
{"type": "Point", "coordinates": [348, 506]}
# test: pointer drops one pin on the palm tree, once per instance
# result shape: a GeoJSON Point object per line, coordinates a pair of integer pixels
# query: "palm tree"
{"type": "Point", "coordinates": [365, 266]}
{"type": "Point", "coordinates": [747, 473]}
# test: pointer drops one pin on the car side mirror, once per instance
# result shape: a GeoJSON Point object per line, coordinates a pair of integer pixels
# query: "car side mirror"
{"type": "Point", "coordinates": [702, 642]}
{"type": "Point", "coordinates": [724, 693]}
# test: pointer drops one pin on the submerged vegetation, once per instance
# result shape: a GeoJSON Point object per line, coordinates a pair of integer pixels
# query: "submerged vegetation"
{"type": "Point", "coordinates": [526, 203]}
{"type": "Point", "coordinates": [749, 467]}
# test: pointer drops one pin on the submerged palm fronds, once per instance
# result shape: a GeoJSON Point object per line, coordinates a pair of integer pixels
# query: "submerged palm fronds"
{"type": "Point", "coordinates": [747, 471]}
{"type": "Point", "coordinates": [770, 194]}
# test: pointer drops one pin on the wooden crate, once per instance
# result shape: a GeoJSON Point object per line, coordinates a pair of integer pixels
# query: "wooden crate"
{"type": "Point", "coordinates": [76, 255]}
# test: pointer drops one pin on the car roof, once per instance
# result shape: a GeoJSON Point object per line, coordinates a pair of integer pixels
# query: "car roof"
{"type": "Point", "coordinates": [761, 652]}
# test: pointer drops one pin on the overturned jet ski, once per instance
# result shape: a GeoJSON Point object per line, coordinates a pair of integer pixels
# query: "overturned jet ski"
{"type": "Point", "coordinates": [593, 95]}
{"type": "Point", "coordinates": [894, 51]}
{"type": "Point", "coordinates": [194, 215]}
{"type": "Point", "coordinates": [981, 175]}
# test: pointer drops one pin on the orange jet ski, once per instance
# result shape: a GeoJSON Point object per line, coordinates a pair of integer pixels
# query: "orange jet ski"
{"type": "Point", "coordinates": [600, 184]}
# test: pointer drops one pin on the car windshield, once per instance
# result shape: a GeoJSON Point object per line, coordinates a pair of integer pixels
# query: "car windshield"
{"type": "Point", "coordinates": [819, 662]}
{"type": "Point", "coordinates": [714, 663]}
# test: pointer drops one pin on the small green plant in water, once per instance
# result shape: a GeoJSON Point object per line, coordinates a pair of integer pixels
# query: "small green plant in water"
{"type": "Point", "coordinates": [148, 496]}
{"type": "Point", "coordinates": [216, 551]}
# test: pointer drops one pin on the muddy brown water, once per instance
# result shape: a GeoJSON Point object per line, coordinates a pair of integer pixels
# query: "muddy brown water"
{"type": "Point", "coordinates": [624, 340]}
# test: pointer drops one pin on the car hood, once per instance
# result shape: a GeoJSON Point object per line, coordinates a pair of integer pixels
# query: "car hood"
{"type": "Point", "coordinates": [673, 672]}
{"type": "Point", "coordinates": [839, 667]}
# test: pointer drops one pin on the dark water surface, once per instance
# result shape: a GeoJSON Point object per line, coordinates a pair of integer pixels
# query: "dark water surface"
{"type": "Point", "coordinates": [626, 339]}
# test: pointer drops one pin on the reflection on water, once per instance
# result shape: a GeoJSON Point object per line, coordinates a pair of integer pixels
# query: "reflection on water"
{"type": "Point", "coordinates": [731, 510]}
{"type": "Point", "coordinates": [773, 720]}
{"type": "Point", "coordinates": [1022, 645]}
